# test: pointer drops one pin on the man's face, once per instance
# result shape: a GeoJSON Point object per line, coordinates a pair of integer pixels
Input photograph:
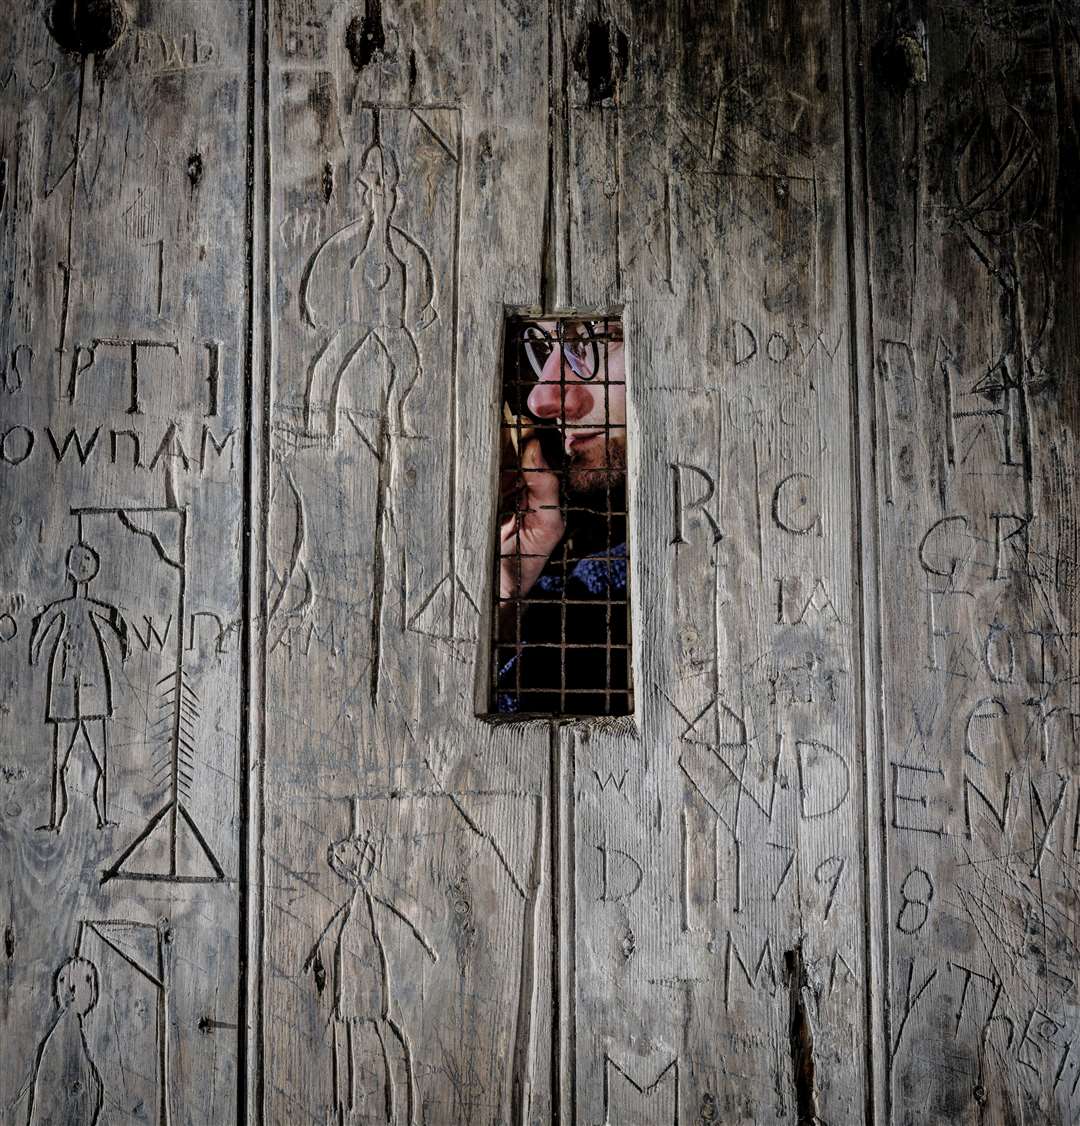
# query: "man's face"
{"type": "Point", "coordinates": [581, 388]}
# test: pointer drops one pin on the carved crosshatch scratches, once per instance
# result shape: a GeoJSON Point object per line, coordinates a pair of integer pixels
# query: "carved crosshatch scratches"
{"type": "Point", "coordinates": [562, 579]}
{"type": "Point", "coordinates": [974, 329]}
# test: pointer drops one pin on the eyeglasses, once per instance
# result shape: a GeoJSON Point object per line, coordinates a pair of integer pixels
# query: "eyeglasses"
{"type": "Point", "coordinates": [580, 347]}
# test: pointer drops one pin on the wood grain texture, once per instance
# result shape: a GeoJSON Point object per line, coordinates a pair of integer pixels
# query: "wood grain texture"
{"type": "Point", "coordinates": [258, 259]}
{"type": "Point", "coordinates": [970, 125]}
{"type": "Point", "coordinates": [123, 243]}
{"type": "Point", "coordinates": [720, 876]}
{"type": "Point", "coordinates": [407, 210]}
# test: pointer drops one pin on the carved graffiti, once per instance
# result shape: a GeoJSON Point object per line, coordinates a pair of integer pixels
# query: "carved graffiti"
{"type": "Point", "coordinates": [79, 695]}
{"type": "Point", "coordinates": [183, 853]}
{"type": "Point", "coordinates": [116, 965]}
{"type": "Point", "coordinates": [631, 1099]}
{"type": "Point", "coordinates": [66, 1085]}
{"type": "Point", "coordinates": [363, 983]}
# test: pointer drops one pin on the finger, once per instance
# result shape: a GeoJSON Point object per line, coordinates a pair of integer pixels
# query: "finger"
{"type": "Point", "coordinates": [541, 481]}
{"type": "Point", "coordinates": [509, 530]}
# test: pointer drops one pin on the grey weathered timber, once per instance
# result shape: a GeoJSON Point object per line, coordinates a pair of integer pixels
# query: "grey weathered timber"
{"type": "Point", "coordinates": [970, 407]}
{"type": "Point", "coordinates": [124, 337]}
{"type": "Point", "coordinates": [422, 162]}
{"type": "Point", "coordinates": [258, 256]}
{"type": "Point", "coordinates": [726, 928]}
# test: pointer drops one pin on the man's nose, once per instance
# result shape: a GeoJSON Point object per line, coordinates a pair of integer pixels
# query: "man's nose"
{"type": "Point", "coordinates": [554, 398]}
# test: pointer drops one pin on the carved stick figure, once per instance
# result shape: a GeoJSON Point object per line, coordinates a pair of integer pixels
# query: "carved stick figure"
{"type": "Point", "coordinates": [363, 1016]}
{"type": "Point", "coordinates": [387, 297]}
{"type": "Point", "coordinates": [371, 286]}
{"type": "Point", "coordinates": [66, 1086]}
{"type": "Point", "coordinates": [79, 694]}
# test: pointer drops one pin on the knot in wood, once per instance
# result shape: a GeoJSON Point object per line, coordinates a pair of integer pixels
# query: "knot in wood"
{"type": "Point", "coordinates": [902, 61]}
{"type": "Point", "coordinates": [602, 58]}
{"type": "Point", "coordinates": [88, 27]}
{"type": "Point", "coordinates": [364, 36]}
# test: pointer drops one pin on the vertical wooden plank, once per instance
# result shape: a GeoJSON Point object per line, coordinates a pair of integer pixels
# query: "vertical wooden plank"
{"type": "Point", "coordinates": [971, 120]}
{"type": "Point", "coordinates": [408, 165]}
{"type": "Point", "coordinates": [868, 565]}
{"type": "Point", "coordinates": [720, 967]}
{"type": "Point", "coordinates": [123, 205]}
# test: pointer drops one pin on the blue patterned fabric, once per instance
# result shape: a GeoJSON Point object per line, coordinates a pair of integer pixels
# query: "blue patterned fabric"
{"type": "Point", "coordinates": [602, 575]}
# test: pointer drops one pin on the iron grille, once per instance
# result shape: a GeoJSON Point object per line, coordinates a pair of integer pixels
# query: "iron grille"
{"type": "Point", "coordinates": [561, 644]}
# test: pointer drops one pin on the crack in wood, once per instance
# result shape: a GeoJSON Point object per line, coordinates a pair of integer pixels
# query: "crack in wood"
{"type": "Point", "coordinates": [801, 1038]}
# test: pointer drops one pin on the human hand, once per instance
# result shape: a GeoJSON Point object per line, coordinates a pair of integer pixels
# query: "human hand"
{"type": "Point", "coordinates": [527, 539]}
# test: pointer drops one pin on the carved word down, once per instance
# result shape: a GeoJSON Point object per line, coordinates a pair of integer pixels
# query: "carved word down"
{"type": "Point", "coordinates": [790, 344]}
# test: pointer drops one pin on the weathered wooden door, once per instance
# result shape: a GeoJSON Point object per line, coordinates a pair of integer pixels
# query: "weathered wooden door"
{"type": "Point", "coordinates": [264, 856]}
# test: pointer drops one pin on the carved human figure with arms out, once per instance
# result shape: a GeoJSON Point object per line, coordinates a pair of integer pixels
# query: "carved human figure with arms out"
{"type": "Point", "coordinates": [79, 696]}
{"type": "Point", "coordinates": [365, 1024]}
{"type": "Point", "coordinates": [371, 286]}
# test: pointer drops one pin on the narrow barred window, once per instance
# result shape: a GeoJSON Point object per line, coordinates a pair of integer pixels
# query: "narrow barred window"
{"type": "Point", "coordinates": [562, 569]}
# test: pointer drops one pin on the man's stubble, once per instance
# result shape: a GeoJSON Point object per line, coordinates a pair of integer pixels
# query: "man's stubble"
{"type": "Point", "coordinates": [588, 478]}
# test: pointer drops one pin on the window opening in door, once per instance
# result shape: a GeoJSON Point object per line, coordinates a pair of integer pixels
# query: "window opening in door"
{"type": "Point", "coordinates": [561, 626]}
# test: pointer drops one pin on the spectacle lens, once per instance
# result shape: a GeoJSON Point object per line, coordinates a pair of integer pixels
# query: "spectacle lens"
{"type": "Point", "coordinates": [538, 346]}
{"type": "Point", "coordinates": [579, 349]}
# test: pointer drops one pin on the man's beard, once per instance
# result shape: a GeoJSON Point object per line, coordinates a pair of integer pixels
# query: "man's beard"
{"type": "Point", "coordinates": [586, 478]}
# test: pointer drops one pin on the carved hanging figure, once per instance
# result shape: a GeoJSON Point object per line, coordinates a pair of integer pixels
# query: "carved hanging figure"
{"type": "Point", "coordinates": [66, 1088]}
{"type": "Point", "coordinates": [371, 288]}
{"type": "Point", "coordinates": [79, 694]}
{"type": "Point", "coordinates": [365, 1024]}
{"type": "Point", "coordinates": [371, 285]}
